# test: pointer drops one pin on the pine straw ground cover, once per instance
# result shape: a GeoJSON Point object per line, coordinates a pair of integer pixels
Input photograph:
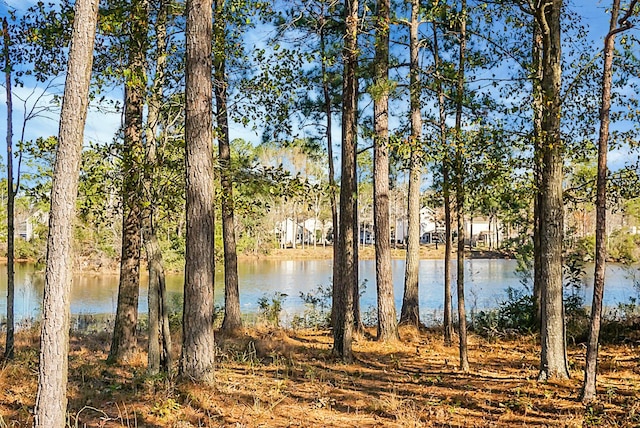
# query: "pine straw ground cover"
{"type": "Point", "coordinates": [269, 378]}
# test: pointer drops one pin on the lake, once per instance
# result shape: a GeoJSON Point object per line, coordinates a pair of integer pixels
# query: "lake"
{"type": "Point", "coordinates": [486, 281]}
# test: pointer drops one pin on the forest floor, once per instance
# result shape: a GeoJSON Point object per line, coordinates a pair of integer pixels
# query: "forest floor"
{"type": "Point", "coordinates": [277, 378]}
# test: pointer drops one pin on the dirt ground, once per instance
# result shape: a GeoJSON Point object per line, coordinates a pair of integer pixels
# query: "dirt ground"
{"type": "Point", "coordinates": [275, 378]}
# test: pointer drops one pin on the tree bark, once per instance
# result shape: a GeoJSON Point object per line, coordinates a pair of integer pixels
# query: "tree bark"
{"type": "Point", "coordinates": [460, 192]}
{"type": "Point", "coordinates": [159, 346]}
{"type": "Point", "coordinates": [345, 283]}
{"type": "Point", "coordinates": [232, 318]}
{"type": "Point", "coordinates": [410, 312]}
{"type": "Point", "coordinates": [332, 181]}
{"type": "Point", "coordinates": [537, 168]}
{"type": "Point", "coordinates": [553, 358]}
{"type": "Point", "coordinates": [387, 322]}
{"type": "Point", "coordinates": [446, 192]}
{"type": "Point", "coordinates": [124, 341]}
{"type": "Point", "coordinates": [51, 399]}
{"type": "Point", "coordinates": [590, 372]}
{"type": "Point", "coordinates": [9, 342]}
{"type": "Point", "coordinates": [198, 346]}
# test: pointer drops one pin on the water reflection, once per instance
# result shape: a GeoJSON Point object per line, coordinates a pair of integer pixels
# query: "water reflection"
{"type": "Point", "coordinates": [486, 281]}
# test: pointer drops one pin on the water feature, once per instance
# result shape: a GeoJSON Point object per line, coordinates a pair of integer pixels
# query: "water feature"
{"type": "Point", "coordinates": [486, 281]}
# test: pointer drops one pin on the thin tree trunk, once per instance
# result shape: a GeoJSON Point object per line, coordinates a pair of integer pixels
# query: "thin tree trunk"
{"type": "Point", "coordinates": [387, 322]}
{"type": "Point", "coordinates": [553, 358]}
{"type": "Point", "coordinates": [9, 343]}
{"type": "Point", "coordinates": [590, 372]}
{"type": "Point", "coordinates": [410, 312]}
{"type": "Point", "coordinates": [460, 193]}
{"type": "Point", "coordinates": [51, 399]}
{"type": "Point", "coordinates": [346, 282]}
{"type": "Point", "coordinates": [446, 191]}
{"type": "Point", "coordinates": [124, 341]}
{"type": "Point", "coordinates": [537, 169]}
{"type": "Point", "coordinates": [332, 180]}
{"type": "Point", "coordinates": [198, 345]}
{"type": "Point", "coordinates": [232, 318]}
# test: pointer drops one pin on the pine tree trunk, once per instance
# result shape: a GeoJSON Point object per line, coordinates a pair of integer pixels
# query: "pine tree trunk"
{"type": "Point", "coordinates": [332, 182]}
{"type": "Point", "coordinates": [159, 346]}
{"type": "Point", "coordinates": [387, 322]}
{"type": "Point", "coordinates": [124, 341]}
{"type": "Point", "coordinates": [346, 282]}
{"type": "Point", "coordinates": [590, 372]}
{"type": "Point", "coordinates": [537, 168]}
{"type": "Point", "coordinates": [198, 346]}
{"type": "Point", "coordinates": [9, 343]}
{"type": "Point", "coordinates": [446, 192]}
{"type": "Point", "coordinates": [553, 358]}
{"type": "Point", "coordinates": [462, 315]}
{"type": "Point", "coordinates": [232, 317]}
{"type": "Point", "coordinates": [51, 399]}
{"type": "Point", "coordinates": [460, 192]}
{"type": "Point", "coordinates": [410, 312]}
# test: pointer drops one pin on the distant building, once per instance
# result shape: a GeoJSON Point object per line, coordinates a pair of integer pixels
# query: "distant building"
{"type": "Point", "coordinates": [290, 234]}
{"type": "Point", "coordinates": [428, 226]}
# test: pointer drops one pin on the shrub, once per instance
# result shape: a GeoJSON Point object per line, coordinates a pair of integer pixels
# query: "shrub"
{"type": "Point", "coordinates": [271, 307]}
{"type": "Point", "coordinates": [317, 313]}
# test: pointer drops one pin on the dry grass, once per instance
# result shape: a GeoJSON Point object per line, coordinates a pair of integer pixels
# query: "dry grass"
{"type": "Point", "coordinates": [270, 378]}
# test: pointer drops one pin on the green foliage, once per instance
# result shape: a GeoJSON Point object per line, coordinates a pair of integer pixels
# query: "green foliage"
{"type": "Point", "coordinates": [271, 307]}
{"type": "Point", "coordinates": [515, 315]}
{"type": "Point", "coordinates": [317, 313]}
{"type": "Point", "coordinates": [29, 250]}
{"type": "Point", "coordinates": [624, 247]}
{"type": "Point", "coordinates": [585, 248]}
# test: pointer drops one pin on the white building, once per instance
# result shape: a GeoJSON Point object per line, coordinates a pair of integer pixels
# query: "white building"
{"type": "Point", "coordinates": [428, 225]}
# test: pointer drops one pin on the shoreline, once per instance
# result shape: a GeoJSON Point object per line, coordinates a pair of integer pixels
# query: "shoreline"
{"type": "Point", "coordinates": [366, 252]}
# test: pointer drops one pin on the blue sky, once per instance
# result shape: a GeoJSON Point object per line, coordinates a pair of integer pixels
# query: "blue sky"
{"type": "Point", "coordinates": [101, 126]}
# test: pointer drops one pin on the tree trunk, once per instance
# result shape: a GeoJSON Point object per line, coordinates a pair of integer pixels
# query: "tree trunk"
{"type": "Point", "coordinates": [51, 399]}
{"type": "Point", "coordinates": [232, 317]}
{"type": "Point", "coordinates": [590, 372]}
{"type": "Point", "coordinates": [460, 192]}
{"type": "Point", "coordinates": [462, 316]}
{"type": "Point", "coordinates": [446, 191]}
{"type": "Point", "coordinates": [332, 181]}
{"type": "Point", "coordinates": [537, 169]}
{"type": "Point", "coordinates": [9, 343]}
{"type": "Point", "coordinates": [346, 282]}
{"type": "Point", "coordinates": [198, 346]}
{"type": "Point", "coordinates": [159, 357]}
{"type": "Point", "coordinates": [387, 322]}
{"type": "Point", "coordinates": [159, 346]}
{"type": "Point", "coordinates": [553, 358]}
{"type": "Point", "coordinates": [124, 341]}
{"type": "Point", "coordinates": [410, 312]}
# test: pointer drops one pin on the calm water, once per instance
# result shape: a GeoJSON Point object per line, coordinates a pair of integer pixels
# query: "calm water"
{"type": "Point", "coordinates": [486, 281]}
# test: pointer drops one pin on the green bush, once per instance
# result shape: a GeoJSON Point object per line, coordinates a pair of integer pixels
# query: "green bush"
{"type": "Point", "coordinates": [515, 315]}
{"type": "Point", "coordinates": [317, 313]}
{"type": "Point", "coordinates": [624, 247]}
{"type": "Point", "coordinates": [271, 307]}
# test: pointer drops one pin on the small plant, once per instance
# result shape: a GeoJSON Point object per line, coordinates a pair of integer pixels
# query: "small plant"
{"type": "Point", "coordinates": [317, 308]}
{"type": "Point", "coordinates": [166, 408]}
{"type": "Point", "coordinates": [514, 315]}
{"type": "Point", "coordinates": [271, 307]}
